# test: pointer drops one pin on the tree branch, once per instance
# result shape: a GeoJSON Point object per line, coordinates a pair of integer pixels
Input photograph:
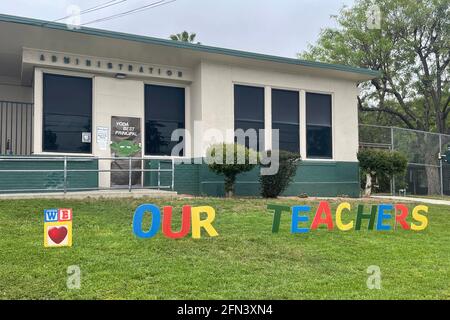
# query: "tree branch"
{"type": "Point", "coordinates": [386, 110]}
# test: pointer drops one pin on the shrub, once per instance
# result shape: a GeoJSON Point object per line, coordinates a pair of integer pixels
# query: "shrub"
{"type": "Point", "coordinates": [380, 163]}
{"type": "Point", "coordinates": [273, 185]}
{"type": "Point", "coordinates": [240, 159]}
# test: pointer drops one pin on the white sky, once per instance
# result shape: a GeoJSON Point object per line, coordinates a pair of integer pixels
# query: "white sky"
{"type": "Point", "coordinates": [278, 27]}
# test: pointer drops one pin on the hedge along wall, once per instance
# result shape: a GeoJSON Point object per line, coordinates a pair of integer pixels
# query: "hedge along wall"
{"type": "Point", "coordinates": [315, 178]}
{"type": "Point", "coordinates": [47, 181]}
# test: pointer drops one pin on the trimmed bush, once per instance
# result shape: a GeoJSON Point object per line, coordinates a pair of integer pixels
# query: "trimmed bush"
{"type": "Point", "coordinates": [273, 185]}
{"type": "Point", "coordinates": [381, 164]}
{"type": "Point", "coordinates": [230, 160]}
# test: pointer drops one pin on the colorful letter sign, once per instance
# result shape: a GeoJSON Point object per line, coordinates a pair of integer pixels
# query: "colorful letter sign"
{"type": "Point", "coordinates": [191, 216]}
{"type": "Point", "coordinates": [58, 227]}
{"type": "Point", "coordinates": [385, 217]}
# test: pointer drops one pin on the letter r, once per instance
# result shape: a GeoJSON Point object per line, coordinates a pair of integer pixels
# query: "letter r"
{"type": "Point", "coordinates": [197, 224]}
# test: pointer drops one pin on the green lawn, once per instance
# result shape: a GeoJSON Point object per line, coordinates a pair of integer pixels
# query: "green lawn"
{"type": "Point", "coordinates": [246, 261]}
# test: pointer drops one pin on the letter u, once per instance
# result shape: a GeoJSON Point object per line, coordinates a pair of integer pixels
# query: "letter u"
{"type": "Point", "coordinates": [185, 222]}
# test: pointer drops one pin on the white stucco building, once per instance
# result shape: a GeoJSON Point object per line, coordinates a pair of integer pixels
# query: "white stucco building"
{"type": "Point", "coordinates": [61, 90]}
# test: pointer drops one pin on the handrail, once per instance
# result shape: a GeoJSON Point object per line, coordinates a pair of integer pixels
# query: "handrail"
{"type": "Point", "coordinates": [65, 170]}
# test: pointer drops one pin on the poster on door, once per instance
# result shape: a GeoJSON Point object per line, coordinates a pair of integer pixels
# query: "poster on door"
{"type": "Point", "coordinates": [125, 143]}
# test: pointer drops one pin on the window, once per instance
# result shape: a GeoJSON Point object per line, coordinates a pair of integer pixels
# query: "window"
{"type": "Point", "coordinates": [318, 126]}
{"type": "Point", "coordinates": [67, 113]}
{"type": "Point", "coordinates": [285, 118]}
{"type": "Point", "coordinates": [164, 113]}
{"type": "Point", "coordinates": [249, 110]}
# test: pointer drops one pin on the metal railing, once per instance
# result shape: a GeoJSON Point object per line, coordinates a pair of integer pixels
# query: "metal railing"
{"type": "Point", "coordinates": [89, 173]}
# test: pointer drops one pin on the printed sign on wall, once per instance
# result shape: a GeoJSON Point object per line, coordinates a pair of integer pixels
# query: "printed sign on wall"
{"type": "Point", "coordinates": [58, 227]}
{"type": "Point", "coordinates": [125, 142]}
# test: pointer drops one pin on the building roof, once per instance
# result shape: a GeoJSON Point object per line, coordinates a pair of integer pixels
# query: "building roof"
{"type": "Point", "coordinates": [360, 74]}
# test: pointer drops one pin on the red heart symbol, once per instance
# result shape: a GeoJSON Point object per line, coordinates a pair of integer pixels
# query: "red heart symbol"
{"type": "Point", "coordinates": [57, 234]}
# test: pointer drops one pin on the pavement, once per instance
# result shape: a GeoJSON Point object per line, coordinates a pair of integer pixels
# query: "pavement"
{"type": "Point", "coordinates": [137, 193]}
{"type": "Point", "coordinates": [410, 199]}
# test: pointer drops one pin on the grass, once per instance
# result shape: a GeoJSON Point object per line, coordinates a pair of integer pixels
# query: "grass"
{"type": "Point", "coordinates": [246, 261]}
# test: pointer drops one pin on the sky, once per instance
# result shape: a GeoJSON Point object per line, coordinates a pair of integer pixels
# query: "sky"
{"type": "Point", "coordinates": [276, 27]}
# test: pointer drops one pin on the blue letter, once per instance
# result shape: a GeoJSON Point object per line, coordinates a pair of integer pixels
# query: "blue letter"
{"type": "Point", "coordinates": [382, 216]}
{"type": "Point", "coordinates": [296, 218]}
{"type": "Point", "coordinates": [51, 215]}
{"type": "Point", "coordinates": [139, 216]}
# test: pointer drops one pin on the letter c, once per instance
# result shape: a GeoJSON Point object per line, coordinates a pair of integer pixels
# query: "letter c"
{"type": "Point", "coordinates": [341, 226]}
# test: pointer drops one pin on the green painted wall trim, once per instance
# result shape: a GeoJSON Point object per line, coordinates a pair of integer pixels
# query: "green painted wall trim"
{"type": "Point", "coordinates": [47, 181]}
{"type": "Point", "coordinates": [189, 46]}
{"type": "Point", "coordinates": [314, 178]}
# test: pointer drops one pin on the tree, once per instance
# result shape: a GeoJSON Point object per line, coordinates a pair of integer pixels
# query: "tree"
{"type": "Point", "coordinates": [412, 52]}
{"type": "Point", "coordinates": [380, 163]}
{"type": "Point", "coordinates": [230, 160]}
{"type": "Point", "coordinates": [184, 37]}
{"type": "Point", "coordinates": [273, 185]}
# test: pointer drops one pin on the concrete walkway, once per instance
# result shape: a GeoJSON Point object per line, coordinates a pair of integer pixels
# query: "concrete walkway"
{"type": "Point", "coordinates": [138, 193]}
{"type": "Point", "coordinates": [423, 200]}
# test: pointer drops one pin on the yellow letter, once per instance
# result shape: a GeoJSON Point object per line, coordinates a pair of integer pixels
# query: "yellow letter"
{"type": "Point", "coordinates": [339, 224]}
{"type": "Point", "coordinates": [420, 218]}
{"type": "Point", "coordinates": [197, 223]}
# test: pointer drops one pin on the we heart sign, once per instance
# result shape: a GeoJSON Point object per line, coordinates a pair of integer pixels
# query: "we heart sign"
{"type": "Point", "coordinates": [58, 227]}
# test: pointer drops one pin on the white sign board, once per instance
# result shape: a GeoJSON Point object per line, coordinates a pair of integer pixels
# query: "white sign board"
{"type": "Point", "coordinates": [102, 137]}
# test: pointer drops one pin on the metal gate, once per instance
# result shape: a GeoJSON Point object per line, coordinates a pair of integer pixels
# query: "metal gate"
{"type": "Point", "coordinates": [16, 128]}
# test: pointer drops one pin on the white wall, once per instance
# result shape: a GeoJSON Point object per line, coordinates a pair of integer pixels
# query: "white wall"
{"type": "Point", "coordinates": [209, 98]}
{"type": "Point", "coordinates": [16, 93]}
{"type": "Point", "coordinates": [114, 97]}
{"type": "Point", "coordinates": [218, 105]}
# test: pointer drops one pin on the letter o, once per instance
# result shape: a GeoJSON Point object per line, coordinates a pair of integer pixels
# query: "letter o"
{"type": "Point", "coordinates": [139, 217]}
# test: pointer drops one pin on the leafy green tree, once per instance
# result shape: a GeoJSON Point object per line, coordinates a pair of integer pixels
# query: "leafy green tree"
{"type": "Point", "coordinates": [412, 52]}
{"type": "Point", "coordinates": [184, 37]}
{"type": "Point", "coordinates": [380, 163]}
{"type": "Point", "coordinates": [230, 160]}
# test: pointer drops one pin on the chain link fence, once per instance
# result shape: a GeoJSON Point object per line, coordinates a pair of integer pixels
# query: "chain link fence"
{"type": "Point", "coordinates": [427, 153]}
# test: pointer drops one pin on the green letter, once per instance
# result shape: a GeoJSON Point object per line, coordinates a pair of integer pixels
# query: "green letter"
{"type": "Point", "coordinates": [277, 215]}
{"type": "Point", "coordinates": [361, 215]}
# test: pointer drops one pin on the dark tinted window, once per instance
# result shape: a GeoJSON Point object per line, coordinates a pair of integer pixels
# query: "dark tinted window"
{"type": "Point", "coordinates": [318, 109]}
{"type": "Point", "coordinates": [164, 112]}
{"type": "Point", "coordinates": [67, 112]}
{"type": "Point", "coordinates": [249, 109]}
{"type": "Point", "coordinates": [285, 118]}
{"type": "Point", "coordinates": [318, 126]}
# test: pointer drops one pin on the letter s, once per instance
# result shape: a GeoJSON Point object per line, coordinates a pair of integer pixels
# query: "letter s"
{"type": "Point", "coordinates": [420, 218]}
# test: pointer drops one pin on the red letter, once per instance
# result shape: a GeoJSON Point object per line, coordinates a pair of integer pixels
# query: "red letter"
{"type": "Point", "coordinates": [185, 223]}
{"type": "Point", "coordinates": [400, 218]}
{"type": "Point", "coordinates": [328, 220]}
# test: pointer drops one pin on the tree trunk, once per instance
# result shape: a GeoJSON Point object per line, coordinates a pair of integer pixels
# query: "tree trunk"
{"type": "Point", "coordinates": [433, 177]}
{"type": "Point", "coordinates": [431, 150]}
{"type": "Point", "coordinates": [229, 186]}
{"type": "Point", "coordinates": [368, 189]}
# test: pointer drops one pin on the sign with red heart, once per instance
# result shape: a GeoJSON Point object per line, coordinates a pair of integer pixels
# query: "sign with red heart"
{"type": "Point", "coordinates": [58, 227]}
{"type": "Point", "coordinates": [57, 234]}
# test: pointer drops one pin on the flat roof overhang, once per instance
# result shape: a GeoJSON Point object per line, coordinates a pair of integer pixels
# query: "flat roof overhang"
{"type": "Point", "coordinates": [17, 33]}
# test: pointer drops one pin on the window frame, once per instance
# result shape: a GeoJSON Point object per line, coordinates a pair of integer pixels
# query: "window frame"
{"type": "Point", "coordinates": [233, 101]}
{"type": "Point", "coordinates": [187, 148]}
{"type": "Point", "coordinates": [331, 94]}
{"type": "Point", "coordinates": [299, 107]}
{"type": "Point", "coordinates": [40, 122]}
